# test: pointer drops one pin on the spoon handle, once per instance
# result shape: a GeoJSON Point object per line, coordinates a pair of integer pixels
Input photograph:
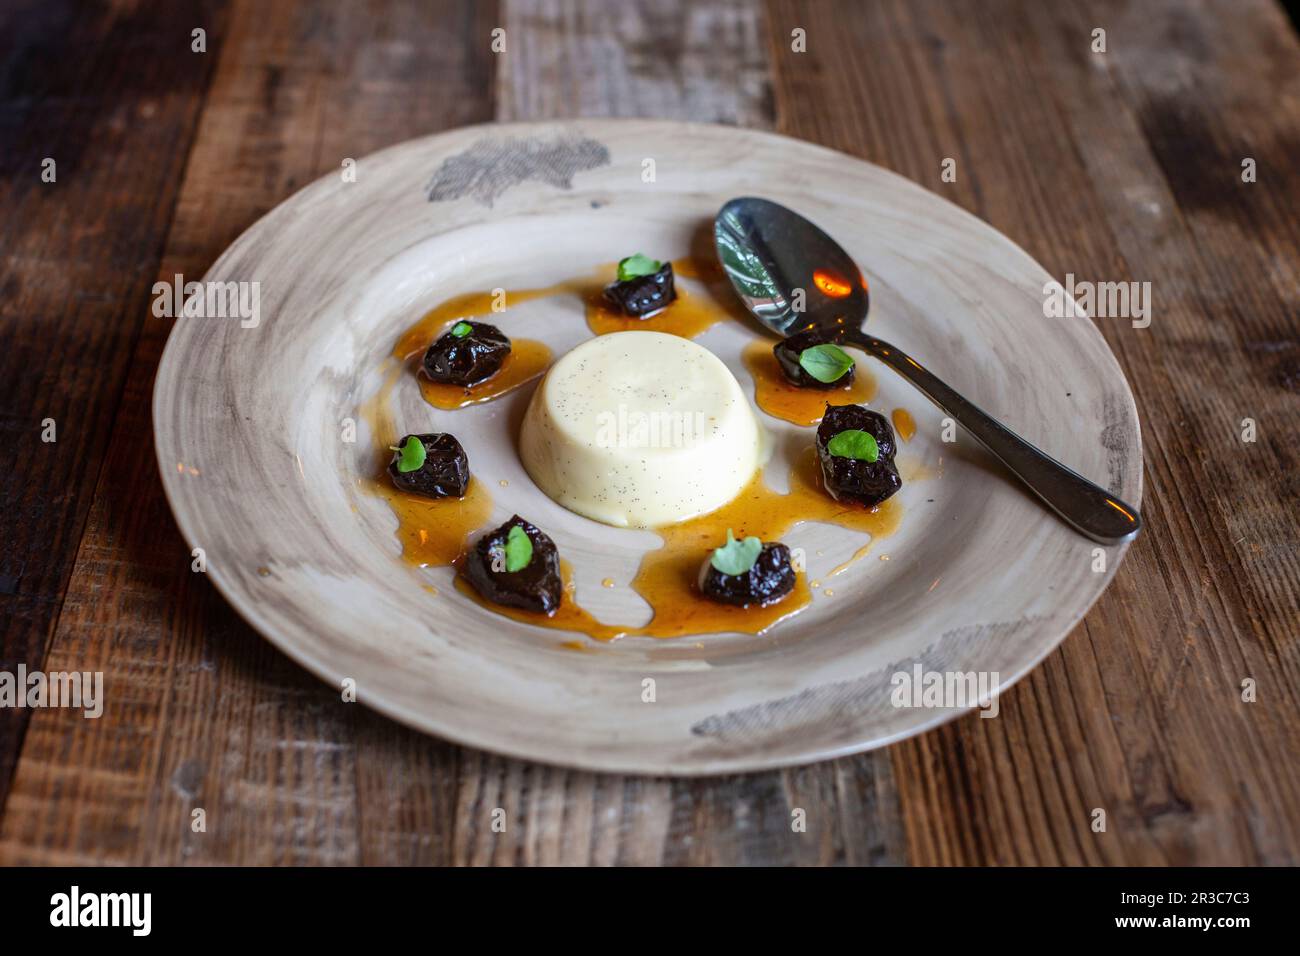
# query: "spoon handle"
{"type": "Point", "coordinates": [1090, 509]}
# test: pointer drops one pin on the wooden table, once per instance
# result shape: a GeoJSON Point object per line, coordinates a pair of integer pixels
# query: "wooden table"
{"type": "Point", "coordinates": [1115, 166]}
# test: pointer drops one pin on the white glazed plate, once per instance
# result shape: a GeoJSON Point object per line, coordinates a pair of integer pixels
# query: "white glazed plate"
{"type": "Point", "coordinates": [252, 434]}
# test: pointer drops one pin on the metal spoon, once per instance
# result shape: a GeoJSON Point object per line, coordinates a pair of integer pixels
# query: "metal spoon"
{"type": "Point", "coordinates": [770, 252]}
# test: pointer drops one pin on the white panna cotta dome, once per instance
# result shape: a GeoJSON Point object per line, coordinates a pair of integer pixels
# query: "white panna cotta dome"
{"type": "Point", "coordinates": [639, 429]}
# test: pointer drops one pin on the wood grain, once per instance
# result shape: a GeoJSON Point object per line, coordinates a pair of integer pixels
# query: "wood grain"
{"type": "Point", "coordinates": [1051, 147]}
{"type": "Point", "coordinates": [80, 252]}
{"type": "Point", "coordinates": [1124, 165]}
{"type": "Point", "coordinates": [258, 748]}
{"type": "Point", "coordinates": [671, 60]}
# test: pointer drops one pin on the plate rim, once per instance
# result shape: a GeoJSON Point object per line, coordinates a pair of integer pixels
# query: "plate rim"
{"type": "Point", "coordinates": [619, 761]}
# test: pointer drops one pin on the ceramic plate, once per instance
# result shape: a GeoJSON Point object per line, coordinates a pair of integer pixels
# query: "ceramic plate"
{"type": "Point", "coordinates": [264, 448]}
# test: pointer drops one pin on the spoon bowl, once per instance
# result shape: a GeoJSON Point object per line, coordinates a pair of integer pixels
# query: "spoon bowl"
{"type": "Point", "coordinates": [788, 272]}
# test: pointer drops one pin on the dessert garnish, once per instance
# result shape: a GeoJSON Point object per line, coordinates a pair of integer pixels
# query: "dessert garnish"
{"type": "Point", "coordinates": [644, 286]}
{"type": "Point", "coordinates": [637, 265]}
{"type": "Point", "coordinates": [747, 572]}
{"type": "Point", "coordinates": [855, 447]}
{"type": "Point", "coordinates": [812, 360]}
{"type": "Point", "coordinates": [518, 550]}
{"type": "Point", "coordinates": [410, 454]}
{"type": "Point", "coordinates": [516, 565]}
{"type": "Point", "coordinates": [432, 465]}
{"type": "Point", "coordinates": [854, 443]}
{"type": "Point", "coordinates": [469, 353]}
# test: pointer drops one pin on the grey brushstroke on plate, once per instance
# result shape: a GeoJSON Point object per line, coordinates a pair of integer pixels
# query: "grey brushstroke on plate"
{"type": "Point", "coordinates": [849, 700]}
{"type": "Point", "coordinates": [492, 165]}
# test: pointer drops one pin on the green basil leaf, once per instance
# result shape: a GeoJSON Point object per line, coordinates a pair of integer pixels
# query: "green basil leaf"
{"type": "Point", "coordinates": [519, 549]}
{"type": "Point", "coordinates": [461, 329]}
{"type": "Point", "coordinates": [853, 443]}
{"type": "Point", "coordinates": [411, 455]}
{"type": "Point", "coordinates": [736, 557]}
{"type": "Point", "coordinates": [826, 363]}
{"type": "Point", "coordinates": [634, 267]}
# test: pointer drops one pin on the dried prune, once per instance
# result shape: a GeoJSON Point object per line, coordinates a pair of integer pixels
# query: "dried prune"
{"type": "Point", "coordinates": [469, 357]}
{"type": "Point", "coordinates": [853, 479]}
{"type": "Point", "coordinates": [789, 350]}
{"type": "Point", "coordinates": [536, 586]}
{"type": "Point", "coordinates": [644, 295]}
{"type": "Point", "coordinates": [768, 580]}
{"type": "Point", "coordinates": [444, 473]}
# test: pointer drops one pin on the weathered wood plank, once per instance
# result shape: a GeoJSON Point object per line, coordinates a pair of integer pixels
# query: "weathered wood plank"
{"type": "Point", "coordinates": [1113, 167]}
{"type": "Point", "coordinates": [672, 60]}
{"type": "Point", "coordinates": [79, 255]}
{"type": "Point", "coordinates": [204, 713]}
{"type": "Point", "coordinates": [1064, 151]}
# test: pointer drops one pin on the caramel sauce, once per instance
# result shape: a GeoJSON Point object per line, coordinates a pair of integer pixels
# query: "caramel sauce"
{"type": "Point", "coordinates": [688, 315]}
{"type": "Point", "coordinates": [679, 608]}
{"type": "Point", "coordinates": [667, 580]}
{"type": "Point", "coordinates": [569, 616]}
{"type": "Point", "coordinates": [472, 305]}
{"type": "Point", "coordinates": [780, 398]}
{"type": "Point", "coordinates": [377, 412]}
{"type": "Point", "coordinates": [858, 555]}
{"type": "Point", "coordinates": [527, 360]}
{"type": "Point", "coordinates": [434, 532]}
{"type": "Point", "coordinates": [904, 423]}
{"type": "Point", "coordinates": [667, 576]}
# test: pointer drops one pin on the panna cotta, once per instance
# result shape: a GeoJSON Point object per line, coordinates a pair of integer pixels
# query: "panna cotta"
{"type": "Point", "coordinates": [640, 429]}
